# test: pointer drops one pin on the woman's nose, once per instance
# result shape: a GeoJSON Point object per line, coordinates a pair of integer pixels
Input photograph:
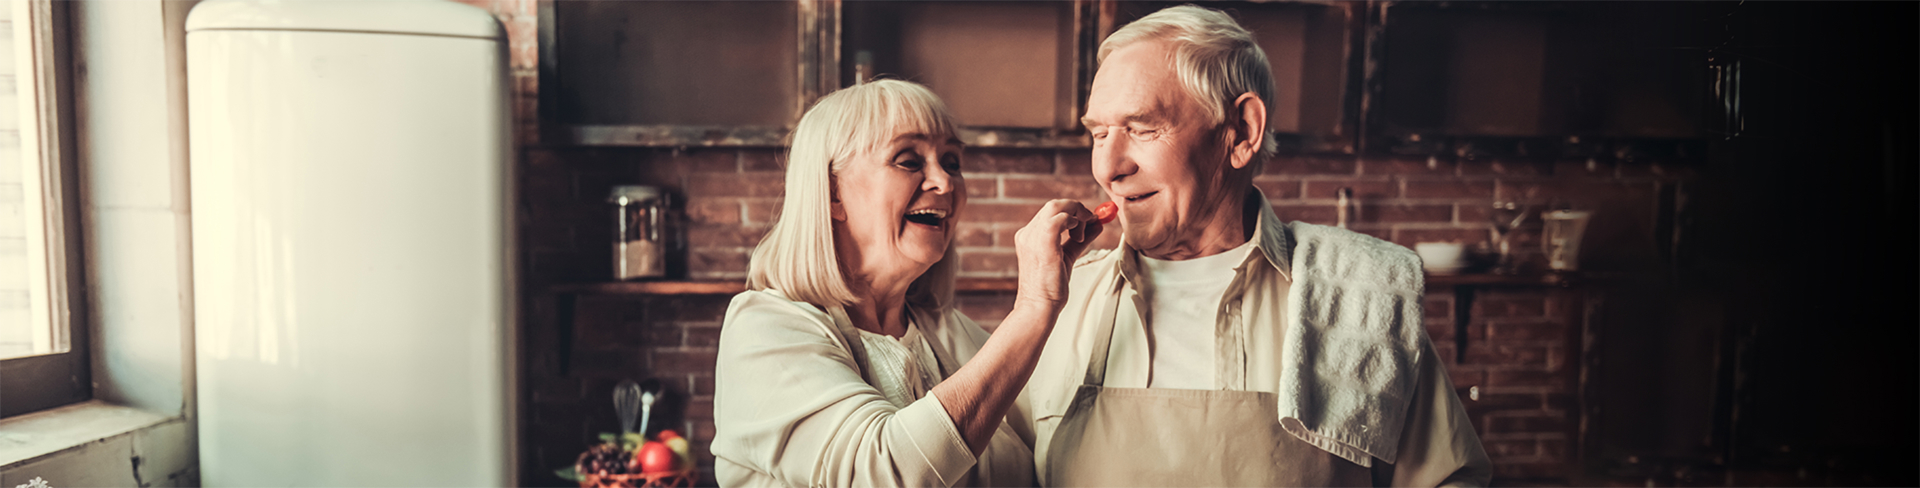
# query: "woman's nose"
{"type": "Point", "coordinates": [938, 181]}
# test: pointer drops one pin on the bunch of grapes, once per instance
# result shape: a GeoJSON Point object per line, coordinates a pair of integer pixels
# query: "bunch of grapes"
{"type": "Point", "coordinates": [605, 459]}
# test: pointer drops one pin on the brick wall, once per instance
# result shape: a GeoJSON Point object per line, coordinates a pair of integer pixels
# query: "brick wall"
{"type": "Point", "coordinates": [1523, 343]}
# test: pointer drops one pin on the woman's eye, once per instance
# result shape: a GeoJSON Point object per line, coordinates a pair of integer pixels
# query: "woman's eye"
{"type": "Point", "coordinates": [910, 164]}
{"type": "Point", "coordinates": [950, 163]}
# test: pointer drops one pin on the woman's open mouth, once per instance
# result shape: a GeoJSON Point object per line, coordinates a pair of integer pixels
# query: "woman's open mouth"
{"type": "Point", "coordinates": [932, 217]}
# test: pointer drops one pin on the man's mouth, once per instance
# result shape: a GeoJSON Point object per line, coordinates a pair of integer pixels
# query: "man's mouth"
{"type": "Point", "coordinates": [927, 216]}
{"type": "Point", "coordinates": [1142, 196]}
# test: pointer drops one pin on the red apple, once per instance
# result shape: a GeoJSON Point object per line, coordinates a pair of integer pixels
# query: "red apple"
{"type": "Point", "coordinates": [656, 458]}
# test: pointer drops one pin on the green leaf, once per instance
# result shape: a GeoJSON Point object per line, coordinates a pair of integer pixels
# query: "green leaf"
{"type": "Point", "coordinates": [609, 438]}
{"type": "Point", "coordinates": [568, 473]}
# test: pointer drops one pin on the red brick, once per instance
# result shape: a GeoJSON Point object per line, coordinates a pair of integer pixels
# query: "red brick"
{"type": "Point", "coordinates": [1408, 165]}
{"type": "Point", "coordinates": [1464, 376]}
{"type": "Point", "coordinates": [703, 337]}
{"type": "Point", "coordinates": [1506, 167]}
{"type": "Point", "coordinates": [1438, 308]}
{"type": "Point", "coordinates": [1362, 189]}
{"type": "Point", "coordinates": [762, 211]}
{"type": "Point", "coordinates": [754, 160]}
{"type": "Point", "coordinates": [714, 211]}
{"type": "Point", "coordinates": [1503, 379]}
{"type": "Point", "coordinates": [1438, 214]}
{"type": "Point", "coordinates": [1315, 214]}
{"type": "Point", "coordinates": [735, 185]}
{"type": "Point", "coordinates": [712, 235]}
{"type": "Point", "coordinates": [1560, 401]}
{"type": "Point", "coordinates": [1008, 161]}
{"type": "Point", "coordinates": [683, 362]}
{"type": "Point", "coordinates": [1075, 162]}
{"type": "Point", "coordinates": [712, 263]}
{"type": "Point", "coordinates": [1020, 213]}
{"type": "Point", "coordinates": [1277, 189]}
{"type": "Point", "coordinates": [702, 431]}
{"type": "Point", "coordinates": [657, 335]}
{"type": "Point", "coordinates": [1409, 237]}
{"type": "Point", "coordinates": [1500, 449]}
{"type": "Point", "coordinates": [702, 384]}
{"type": "Point", "coordinates": [988, 263]}
{"type": "Point", "coordinates": [1312, 165]}
{"type": "Point", "coordinates": [1508, 356]}
{"type": "Point", "coordinates": [991, 307]}
{"type": "Point", "coordinates": [1449, 189]}
{"type": "Point", "coordinates": [700, 409]}
{"type": "Point", "coordinates": [1553, 448]}
{"type": "Point", "coordinates": [1531, 423]}
{"type": "Point", "coordinates": [1511, 306]}
{"type": "Point", "coordinates": [608, 362]}
{"type": "Point", "coordinates": [1526, 330]}
{"type": "Point", "coordinates": [1505, 402]}
{"type": "Point", "coordinates": [693, 308]}
{"type": "Point", "coordinates": [1474, 213]}
{"type": "Point", "coordinates": [983, 186]}
{"type": "Point", "coordinates": [973, 234]}
{"type": "Point", "coordinates": [1047, 188]}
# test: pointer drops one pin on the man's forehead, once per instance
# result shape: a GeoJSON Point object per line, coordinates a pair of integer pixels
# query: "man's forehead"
{"type": "Point", "coordinates": [1136, 84]}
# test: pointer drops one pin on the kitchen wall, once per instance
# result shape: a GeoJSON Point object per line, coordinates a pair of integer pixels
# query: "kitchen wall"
{"type": "Point", "coordinates": [1542, 359]}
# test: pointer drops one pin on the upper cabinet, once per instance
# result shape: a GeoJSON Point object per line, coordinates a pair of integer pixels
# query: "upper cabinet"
{"type": "Point", "coordinates": [1500, 76]}
{"type": "Point", "coordinates": [1402, 77]}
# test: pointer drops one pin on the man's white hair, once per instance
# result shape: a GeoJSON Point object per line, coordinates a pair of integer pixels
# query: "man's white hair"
{"type": "Point", "coordinates": [797, 256]}
{"type": "Point", "coordinates": [1214, 58]}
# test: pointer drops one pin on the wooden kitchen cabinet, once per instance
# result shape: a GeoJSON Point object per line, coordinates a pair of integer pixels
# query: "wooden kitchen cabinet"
{"type": "Point", "coordinates": [1503, 76]}
{"type": "Point", "coordinates": [1016, 73]}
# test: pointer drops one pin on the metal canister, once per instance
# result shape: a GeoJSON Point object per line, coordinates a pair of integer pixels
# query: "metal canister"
{"type": "Point", "coordinates": [642, 230]}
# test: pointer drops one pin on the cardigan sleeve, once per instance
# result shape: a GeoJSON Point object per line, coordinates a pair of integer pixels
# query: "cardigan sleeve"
{"type": "Point", "coordinates": [791, 409]}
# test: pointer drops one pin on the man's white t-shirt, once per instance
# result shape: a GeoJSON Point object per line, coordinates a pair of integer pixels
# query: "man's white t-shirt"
{"type": "Point", "coordinates": [1184, 311]}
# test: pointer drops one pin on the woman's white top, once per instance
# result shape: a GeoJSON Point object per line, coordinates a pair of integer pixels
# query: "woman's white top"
{"type": "Point", "coordinates": [902, 368]}
{"type": "Point", "coordinates": [802, 398]}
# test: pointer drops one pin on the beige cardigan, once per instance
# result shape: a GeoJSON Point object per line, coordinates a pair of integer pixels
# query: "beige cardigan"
{"type": "Point", "coordinates": [792, 408]}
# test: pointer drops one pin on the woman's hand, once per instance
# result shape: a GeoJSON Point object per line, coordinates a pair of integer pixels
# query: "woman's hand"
{"type": "Point", "coordinates": [1046, 249]}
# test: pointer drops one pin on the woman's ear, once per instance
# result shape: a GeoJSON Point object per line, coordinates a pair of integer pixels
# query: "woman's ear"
{"type": "Point", "coordinates": [835, 210]}
{"type": "Point", "coordinates": [1248, 128]}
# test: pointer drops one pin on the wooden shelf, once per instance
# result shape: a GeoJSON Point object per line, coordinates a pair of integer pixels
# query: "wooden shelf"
{"type": "Point", "coordinates": [683, 287]}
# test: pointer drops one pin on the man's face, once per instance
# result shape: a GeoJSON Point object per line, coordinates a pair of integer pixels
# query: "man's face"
{"type": "Point", "coordinates": [1155, 152]}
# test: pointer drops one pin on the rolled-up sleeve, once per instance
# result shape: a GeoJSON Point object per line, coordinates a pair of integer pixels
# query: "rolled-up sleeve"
{"type": "Point", "coordinates": [791, 409]}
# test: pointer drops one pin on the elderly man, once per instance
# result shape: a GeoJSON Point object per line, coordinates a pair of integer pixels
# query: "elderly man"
{"type": "Point", "coordinates": [1218, 346]}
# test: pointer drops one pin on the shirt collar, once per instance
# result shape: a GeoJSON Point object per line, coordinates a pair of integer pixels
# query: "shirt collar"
{"type": "Point", "coordinates": [1275, 242]}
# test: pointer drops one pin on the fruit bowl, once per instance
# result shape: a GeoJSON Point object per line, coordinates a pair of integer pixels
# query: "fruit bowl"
{"type": "Point", "coordinates": [682, 478]}
{"type": "Point", "coordinates": [633, 461]}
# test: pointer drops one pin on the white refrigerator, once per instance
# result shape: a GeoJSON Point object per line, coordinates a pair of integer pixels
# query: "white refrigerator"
{"type": "Point", "coordinates": [352, 248]}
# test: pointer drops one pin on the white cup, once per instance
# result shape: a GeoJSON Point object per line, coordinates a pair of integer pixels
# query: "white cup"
{"type": "Point", "coordinates": [1441, 257]}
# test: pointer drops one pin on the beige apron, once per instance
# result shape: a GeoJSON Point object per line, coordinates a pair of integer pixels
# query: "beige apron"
{"type": "Point", "coordinates": [1171, 437]}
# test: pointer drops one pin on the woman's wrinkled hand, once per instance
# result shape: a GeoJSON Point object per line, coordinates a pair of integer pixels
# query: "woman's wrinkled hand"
{"type": "Point", "coordinates": [1047, 247]}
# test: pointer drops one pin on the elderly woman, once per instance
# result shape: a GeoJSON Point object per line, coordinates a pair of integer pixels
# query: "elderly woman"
{"type": "Point", "coordinates": [846, 364]}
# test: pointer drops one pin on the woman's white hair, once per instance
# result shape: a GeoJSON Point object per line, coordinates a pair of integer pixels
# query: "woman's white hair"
{"type": "Point", "coordinates": [797, 256]}
{"type": "Point", "coordinates": [1215, 59]}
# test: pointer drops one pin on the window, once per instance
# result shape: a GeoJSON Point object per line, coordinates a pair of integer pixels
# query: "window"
{"type": "Point", "coordinates": [42, 348]}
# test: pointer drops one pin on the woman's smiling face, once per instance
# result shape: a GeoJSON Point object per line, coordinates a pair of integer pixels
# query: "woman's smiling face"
{"type": "Point", "coordinates": [898, 203]}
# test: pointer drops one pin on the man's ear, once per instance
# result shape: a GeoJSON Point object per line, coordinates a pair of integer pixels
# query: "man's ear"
{"type": "Point", "coordinates": [1247, 128]}
{"type": "Point", "coordinates": [837, 211]}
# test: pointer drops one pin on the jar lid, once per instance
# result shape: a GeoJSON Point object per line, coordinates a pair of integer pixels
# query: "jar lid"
{"type": "Point", "coordinates": [633, 193]}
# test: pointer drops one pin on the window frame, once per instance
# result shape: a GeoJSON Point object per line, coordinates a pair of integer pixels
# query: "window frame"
{"type": "Point", "coordinates": [35, 383]}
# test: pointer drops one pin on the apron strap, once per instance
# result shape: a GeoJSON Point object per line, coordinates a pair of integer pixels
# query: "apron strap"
{"type": "Point", "coordinates": [1103, 339]}
{"type": "Point", "coordinates": [852, 336]}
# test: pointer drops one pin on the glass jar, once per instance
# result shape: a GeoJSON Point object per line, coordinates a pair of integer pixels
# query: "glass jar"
{"type": "Point", "coordinates": [642, 232]}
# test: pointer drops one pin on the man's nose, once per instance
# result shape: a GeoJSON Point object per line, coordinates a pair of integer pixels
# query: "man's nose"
{"type": "Point", "coordinates": [1110, 160]}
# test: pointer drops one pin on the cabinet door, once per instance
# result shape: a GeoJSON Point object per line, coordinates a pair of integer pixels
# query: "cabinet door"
{"type": "Point", "coordinates": [1546, 70]}
{"type": "Point", "coordinates": [1002, 67]}
{"type": "Point", "coordinates": [616, 69]}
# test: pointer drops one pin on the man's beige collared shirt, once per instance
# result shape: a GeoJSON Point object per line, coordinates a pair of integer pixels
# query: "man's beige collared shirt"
{"type": "Point", "coordinates": [1438, 444]}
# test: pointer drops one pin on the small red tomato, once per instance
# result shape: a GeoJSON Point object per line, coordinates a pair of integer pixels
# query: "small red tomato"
{"type": "Point", "coordinates": [656, 458]}
{"type": "Point", "coordinates": [1106, 211]}
{"type": "Point", "coordinates": [667, 434]}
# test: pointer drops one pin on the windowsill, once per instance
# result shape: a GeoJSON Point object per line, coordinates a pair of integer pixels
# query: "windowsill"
{"type": "Point", "coordinates": [29, 437]}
